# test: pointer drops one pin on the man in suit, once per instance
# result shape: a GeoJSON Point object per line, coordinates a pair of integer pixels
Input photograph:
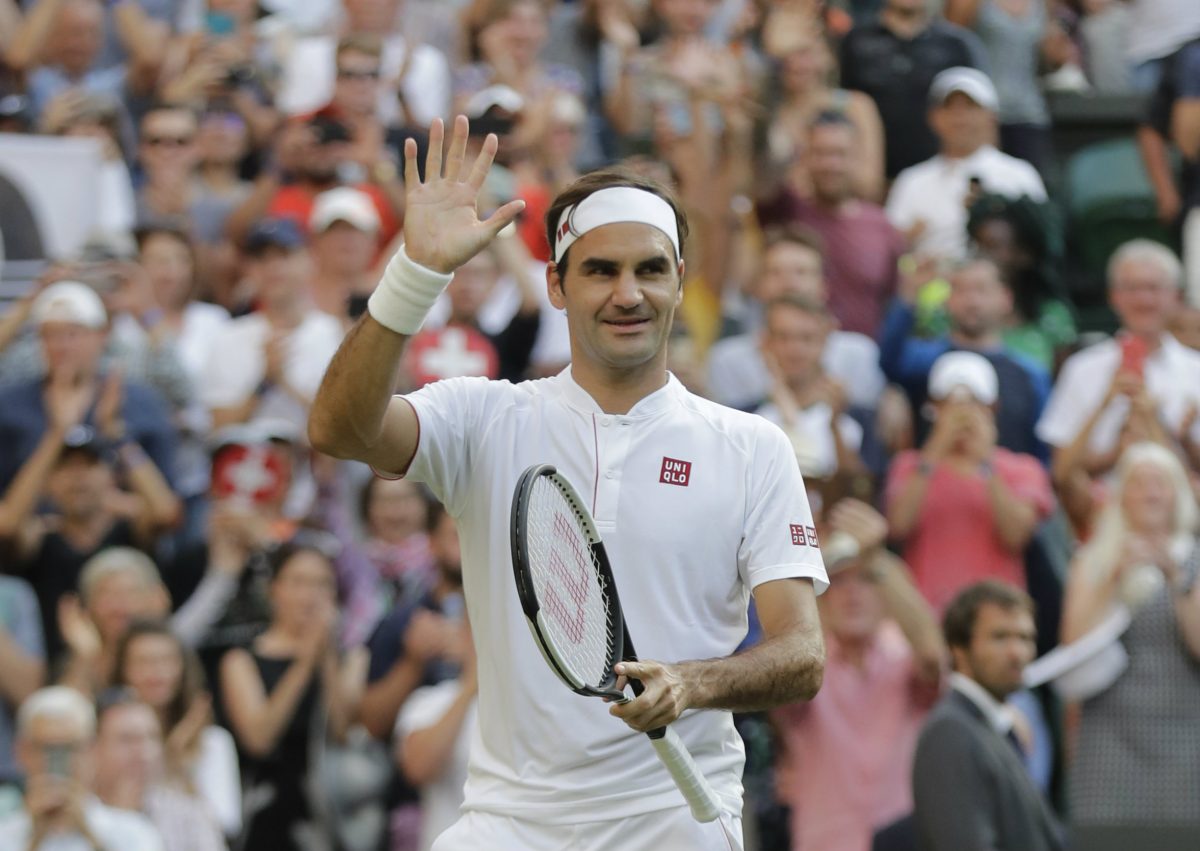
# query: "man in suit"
{"type": "Point", "coordinates": [971, 791]}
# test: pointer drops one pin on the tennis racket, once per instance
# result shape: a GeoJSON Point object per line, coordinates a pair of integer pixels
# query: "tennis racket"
{"type": "Point", "coordinates": [570, 601]}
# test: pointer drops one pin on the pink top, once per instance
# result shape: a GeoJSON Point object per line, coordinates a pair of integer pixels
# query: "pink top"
{"type": "Point", "coordinates": [955, 542]}
{"type": "Point", "coordinates": [847, 764]}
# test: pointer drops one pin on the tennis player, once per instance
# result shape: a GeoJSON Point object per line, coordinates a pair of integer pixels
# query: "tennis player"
{"type": "Point", "coordinates": [698, 504]}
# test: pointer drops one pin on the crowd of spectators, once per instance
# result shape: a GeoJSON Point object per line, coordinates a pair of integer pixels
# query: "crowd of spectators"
{"type": "Point", "coordinates": [212, 637]}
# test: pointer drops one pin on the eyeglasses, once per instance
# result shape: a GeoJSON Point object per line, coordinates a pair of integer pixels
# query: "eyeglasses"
{"type": "Point", "coordinates": [349, 74]}
{"type": "Point", "coordinates": [169, 141]}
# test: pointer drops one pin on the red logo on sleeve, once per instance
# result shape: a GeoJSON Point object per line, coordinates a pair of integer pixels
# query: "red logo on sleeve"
{"type": "Point", "coordinates": [803, 536]}
{"type": "Point", "coordinates": [675, 472]}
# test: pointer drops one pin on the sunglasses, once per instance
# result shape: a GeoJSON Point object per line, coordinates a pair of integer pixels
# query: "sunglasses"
{"type": "Point", "coordinates": [169, 141]}
{"type": "Point", "coordinates": [348, 74]}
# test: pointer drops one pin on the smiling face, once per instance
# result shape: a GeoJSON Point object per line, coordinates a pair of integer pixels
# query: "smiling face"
{"type": "Point", "coordinates": [620, 291]}
{"type": "Point", "coordinates": [1148, 500]}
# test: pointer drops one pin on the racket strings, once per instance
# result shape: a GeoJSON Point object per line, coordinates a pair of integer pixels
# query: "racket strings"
{"type": "Point", "coordinates": [570, 588]}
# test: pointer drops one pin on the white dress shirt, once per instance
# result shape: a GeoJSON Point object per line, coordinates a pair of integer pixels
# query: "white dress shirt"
{"type": "Point", "coordinates": [1172, 375]}
{"type": "Point", "coordinates": [935, 191]}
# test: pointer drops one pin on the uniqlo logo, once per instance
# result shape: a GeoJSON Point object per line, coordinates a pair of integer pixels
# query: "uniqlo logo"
{"type": "Point", "coordinates": [675, 472]}
{"type": "Point", "coordinates": [803, 536]}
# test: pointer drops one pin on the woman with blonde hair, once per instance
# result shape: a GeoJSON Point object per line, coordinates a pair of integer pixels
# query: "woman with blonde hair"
{"type": "Point", "coordinates": [1139, 739]}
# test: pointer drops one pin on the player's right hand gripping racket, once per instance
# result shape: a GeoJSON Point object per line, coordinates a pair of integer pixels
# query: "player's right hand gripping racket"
{"type": "Point", "coordinates": [570, 600]}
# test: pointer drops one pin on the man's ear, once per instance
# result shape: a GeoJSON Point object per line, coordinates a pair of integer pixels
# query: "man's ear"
{"type": "Point", "coordinates": [554, 287]}
{"type": "Point", "coordinates": [679, 291]}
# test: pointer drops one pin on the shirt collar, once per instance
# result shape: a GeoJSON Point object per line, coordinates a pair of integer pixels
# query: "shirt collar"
{"type": "Point", "coordinates": [647, 406]}
{"type": "Point", "coordinates": [997, 714]}
{"type": "Point", "coordinates": [978, 157]}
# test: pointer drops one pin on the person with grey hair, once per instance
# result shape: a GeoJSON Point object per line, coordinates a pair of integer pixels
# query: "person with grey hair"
{"type": "Point", "coordinates": [120, 585]}
{"type": "Point", "coordinates": [56, 732]}
{"type": "Point", "coordinates": [1144, 280]}
{"type": "Point", "coordinates": [1131, 778]}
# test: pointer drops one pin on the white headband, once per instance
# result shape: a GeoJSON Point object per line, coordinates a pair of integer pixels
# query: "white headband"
{"type": "Point", "coordinates": [610, 206]}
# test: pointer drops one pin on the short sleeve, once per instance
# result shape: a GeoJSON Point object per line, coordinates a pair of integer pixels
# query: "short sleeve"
{"type": "Point", "coordinates": [452, 415]}
{"type": "Point", "coordinates": [1065, 412]}
{"type": "Point", "coordinates": [424, 707]}
{"type": "Point", "coordinates": [1028, 481]}
{"type": "Point", "coordinates": [779, 537]}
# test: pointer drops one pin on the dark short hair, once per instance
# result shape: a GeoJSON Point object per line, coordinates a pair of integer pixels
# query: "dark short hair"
{"type": "Point", "coordinates": [305, 540]}
{"type": "Point", "coordinates": [798, 235]}
{"type": "Point", "coordinates": [832, 118]}
{"type": "Point", "coordinates": [958, 623]}
{"type": "Point", "coordinates": [609, 178]}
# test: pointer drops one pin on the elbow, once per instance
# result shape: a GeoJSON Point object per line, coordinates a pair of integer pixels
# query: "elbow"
{"type": "Point", "coordinates": [323, 434]}
{"type": "Point", "coordinates": [256, 745]}
{"type": "Point", "coordinates": [418, 771]}
{"type": "Point", "coordinates": [168, 514]}
{"type": "Point", "coordinates": [812, 671]}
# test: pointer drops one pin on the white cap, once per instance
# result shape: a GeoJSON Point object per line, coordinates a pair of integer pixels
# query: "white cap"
{"type": "Point", "coordinates": [971, 82]}
{"type": "Point", "coordinates": [963, 371]}
{"type": "Point", "coordinates": [70, 301]}
{"type": "Point", "coordinates": [502, 96]}
{"type": "Point", "coordinates": [344, 204]}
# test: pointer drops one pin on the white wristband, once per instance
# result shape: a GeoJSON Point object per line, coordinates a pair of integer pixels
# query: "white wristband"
{"type": "Point", "coordinates": [404, 296]}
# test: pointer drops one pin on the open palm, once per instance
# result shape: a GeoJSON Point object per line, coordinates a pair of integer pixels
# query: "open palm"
{"type": "Point", "coordinates": [442, 229]}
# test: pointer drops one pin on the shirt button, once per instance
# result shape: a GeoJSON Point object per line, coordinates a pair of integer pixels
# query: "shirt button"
{"type": "Point", "coordinates": [606, 422]}
{"type": "Point", "coordinates": [611, 474]}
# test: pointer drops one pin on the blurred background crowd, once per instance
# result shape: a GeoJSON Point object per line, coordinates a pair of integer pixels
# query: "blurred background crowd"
{"type": "Point", "coordinates": [952, 250]}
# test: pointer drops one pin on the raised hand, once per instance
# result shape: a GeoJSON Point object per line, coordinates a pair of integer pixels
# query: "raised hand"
{"type": "Point", "coordinates": [442, 229]}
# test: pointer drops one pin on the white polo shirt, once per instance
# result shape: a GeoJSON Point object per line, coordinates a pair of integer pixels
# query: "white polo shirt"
{"type": "Point", "coordinates": [697, 505]}
{"type": "Point", "coordinates": [935, 191]}
{"type": "Point", "coordinates": [1172, 380]}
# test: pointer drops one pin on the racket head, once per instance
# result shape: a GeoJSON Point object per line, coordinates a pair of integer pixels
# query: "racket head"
{"type": "Point", "coordinates": [565, 583]}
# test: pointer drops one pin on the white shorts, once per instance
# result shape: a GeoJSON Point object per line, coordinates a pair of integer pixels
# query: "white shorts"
{"type": "Point", "coordinates": [664, 830]}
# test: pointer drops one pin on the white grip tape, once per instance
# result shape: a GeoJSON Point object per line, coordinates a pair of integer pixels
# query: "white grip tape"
{"type": "Point", "coordinates": [403, 298]}
{"type": "Point", "coordinates": [687, 776]}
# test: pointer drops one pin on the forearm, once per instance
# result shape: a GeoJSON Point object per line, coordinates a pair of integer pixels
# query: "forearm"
{"type": "Point", "coordinates": [782, 669]}
{"type": "Point", "coordinates": [22, 496]}
{"type": "Point", "coordinates": [1087, 601]}
{"type": "Point", "coordinates": [1185, 128]}
{"type": "Point", "coordinates": [21, 673]}
{"type": "Point", "coordinates": [204, 607]}
{"type": "Point", "coordinates": [30, 39]}
{"type": "Point", "coordinates": [1014, 520]}
{"type": "Point", "coordinates": [10, 22]}
{"type": "Point", "coordinates": [252, 209]}
{"type": "Point", "coordinates": [1154, 156]}
{"type": "Point", "coordinates": [424, 753]}
{"type": "Point", "coordinates": [145, 479]}
{"type": "Point", "coordinates": [263, 729]}
{"type": "Point", "coordinates": [348, 415]}
{"type": "Point", "coordinates": [381, 701]}
{"type": "Point", "coordinates": [905, 605]}
{"type": "Point", "coordinates": [905, 508]}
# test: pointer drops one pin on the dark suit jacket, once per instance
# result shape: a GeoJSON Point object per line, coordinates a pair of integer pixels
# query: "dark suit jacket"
{"type": "Point", "coordinates": [970, 789]}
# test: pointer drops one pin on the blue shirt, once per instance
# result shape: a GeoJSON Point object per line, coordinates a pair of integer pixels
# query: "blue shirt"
{"type": "Point", "coordinates": [1024, 385]}
{"type": "Point", "coordinates": [23, 422]}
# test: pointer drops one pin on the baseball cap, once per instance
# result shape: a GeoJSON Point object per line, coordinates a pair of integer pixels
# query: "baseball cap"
{"type": "Point", "coordinates": [971, 82]}
{"type": "Point", "coordinates": [344, 204]}
{"type": "Point", "coordinates": [72, 302]}
{"type": "Point", "coordinates": [963, 371]}
{"type": "Point", "coordinates": [501, 97]}
{"type": "Point", "coordinates": [278, 233]}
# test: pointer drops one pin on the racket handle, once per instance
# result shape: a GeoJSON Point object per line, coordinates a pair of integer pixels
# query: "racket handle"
{"type": "Point", "coordinates": [687, 776]}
